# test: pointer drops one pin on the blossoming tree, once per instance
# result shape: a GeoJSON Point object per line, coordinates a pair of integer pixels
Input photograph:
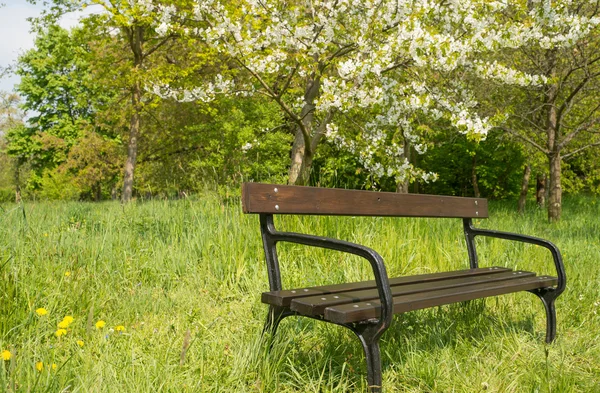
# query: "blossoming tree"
{"type": "Point", "coordinates": [560, 118]}
{"type": "Point", "coordinates": [400, 59]}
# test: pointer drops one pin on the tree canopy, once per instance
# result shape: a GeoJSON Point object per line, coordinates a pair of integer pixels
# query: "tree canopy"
{"type": "Point", "coordinates": [385, 94]}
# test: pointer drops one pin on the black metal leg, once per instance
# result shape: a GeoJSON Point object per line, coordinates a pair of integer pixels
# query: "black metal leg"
{"type": "Point", "coordinates": [550, 318]}
{"type": "Point", "coordinates": [373, 360]}
{"type": "Point", "coordinates": [275, 315]}
{"type": "Point", "coordinates": [548, 297]}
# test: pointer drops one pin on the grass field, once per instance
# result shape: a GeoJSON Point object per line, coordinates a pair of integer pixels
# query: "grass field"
{"type": "Point", "coordinates": [177, 285]}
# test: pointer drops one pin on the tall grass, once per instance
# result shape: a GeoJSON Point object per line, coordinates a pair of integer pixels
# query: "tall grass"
{"type": "Point", "coordinates": [184, 279]}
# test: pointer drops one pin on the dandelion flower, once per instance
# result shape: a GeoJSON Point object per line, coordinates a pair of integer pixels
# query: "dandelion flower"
{"type": "Point", "coordinates": [60, 332]}
{"type": "Point", "coordinates": [41, 311]}
{"type": "Point", "coordinates": [80, 343]}
{"type": "Point", "coordinates": [100, 324]}
{"type": "Point", "coordinates": [67, 273]}
{"type": "Point", "coordinates": [120, 328]}
{"type": "Point", "coordinates": [39, 366]}
{"type": "Point", "coordinates": [54, 366]}
{"type": "Point", "coordinates": [65, 322]}
{"type": "Point", "coordinates": [5, 355]}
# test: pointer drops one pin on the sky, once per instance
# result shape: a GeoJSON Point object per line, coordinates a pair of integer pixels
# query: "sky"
{"type": "Point", "coordinates": [15, 37]}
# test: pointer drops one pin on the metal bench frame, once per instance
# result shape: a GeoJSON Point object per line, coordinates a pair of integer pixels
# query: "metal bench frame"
{"type": "Point", "coordinates": [369, 331]}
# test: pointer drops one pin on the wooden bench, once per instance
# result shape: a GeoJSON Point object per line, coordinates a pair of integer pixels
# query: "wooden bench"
{"type": "Point", "coordinates": [367, 307]}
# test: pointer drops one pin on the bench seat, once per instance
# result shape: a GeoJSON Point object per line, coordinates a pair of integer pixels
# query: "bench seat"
{"type": "Point", "coordinates": [359, 301]}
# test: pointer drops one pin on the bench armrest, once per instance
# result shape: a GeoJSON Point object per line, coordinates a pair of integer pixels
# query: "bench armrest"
{"type": "Point", "coordinates": [376, 261]}
{"type": "Point", "coordinates": [556, 256]}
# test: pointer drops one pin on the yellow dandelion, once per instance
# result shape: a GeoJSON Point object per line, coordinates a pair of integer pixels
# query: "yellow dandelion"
{"type": "Point", "coordinates": [80, 343]}
{"type": "Point", "coordinates": [100, 324]}
{"type": "Point", "coordinates": [6, 355]}
{"type": "Point", "coordinates": [41, 311]}
{"type": "Point", "coordinates": [120, 328]}
{"type": "Point", "coordinates": [67, 273]}
{"type": "Point", "coordinates": [45, 235]}
{"type": "Point", "coordinates": [54, 366]}
{"type": "Point", "coordinates": [60, 332]}
{"type": "Point", "coordinates": [39, 366]}
{"type": "Point", "coordinates": [65, 322]}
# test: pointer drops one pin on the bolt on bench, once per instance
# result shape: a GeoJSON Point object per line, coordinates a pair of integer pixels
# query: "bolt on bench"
{"type": "Point", "coordinates": [366, 308]}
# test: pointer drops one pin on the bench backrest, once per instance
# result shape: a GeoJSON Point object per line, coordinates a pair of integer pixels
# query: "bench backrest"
{"type": "Point", "coordinates": [282, 199]}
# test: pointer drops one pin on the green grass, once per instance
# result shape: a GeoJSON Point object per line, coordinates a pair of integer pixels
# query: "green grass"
{"type": "Point", "coordinates": [184, 278]}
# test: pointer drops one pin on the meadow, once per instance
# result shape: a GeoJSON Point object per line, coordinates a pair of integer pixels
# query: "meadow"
{"type": "Point", "coordinates": [164, 296]}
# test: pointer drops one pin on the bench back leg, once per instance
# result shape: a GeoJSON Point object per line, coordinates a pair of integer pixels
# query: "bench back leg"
{"type": "Point", "coordinates": [470, 238]}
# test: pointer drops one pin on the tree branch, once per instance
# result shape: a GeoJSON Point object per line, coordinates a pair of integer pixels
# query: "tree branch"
{"type": "Point", "coordinates": [580, 128]}
{"type": "Point", "coordinates": [570, 97]}
{"type": "Point", "coordinates": [157, 46]}
{"type": "Point", "coordinates": [566, 156]}
{"type": "Point", "coordinates": [277, 99]}
{"type": "Point", "coordinates": [321, 130]}
{"type": "Point", "coordinates": [526, 139]}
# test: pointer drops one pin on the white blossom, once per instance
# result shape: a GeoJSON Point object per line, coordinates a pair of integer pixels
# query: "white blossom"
{"type": "Point", "coordinates": [387, 56]}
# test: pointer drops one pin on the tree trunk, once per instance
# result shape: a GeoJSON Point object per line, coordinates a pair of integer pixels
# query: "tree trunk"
{"type": "Point", "coordinates": [136, 40]}
{"type": "Point", "coordinates": [555, 196]}
{"type": "Point", "coordinates": [524, 188]}
{"type": "Point", "coordinates": [305, 169]}
{"type": "Point", "coordinates": [553, 133]}
{"type": "Point", "coordinates": [304, 146]}
{"type": "Point", "coordinates": [402, 187]}
{"type": "Point", "coordinates": [132, 146]}
{"type": "Point", "coordinates": [17, 184]}
{"type": "Point", "coordinates": [113, 193]}
{"type": "Point", "coordinates": [540, 190]}
{"type": "Point", "coordinates": [298, 149]}
{"type": "Point", "coordinates": [97, 192]}
{"type": "Point", "coordinates": [474, 177]}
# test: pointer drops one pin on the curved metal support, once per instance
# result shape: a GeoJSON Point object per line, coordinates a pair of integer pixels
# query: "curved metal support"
{"type": "Point", "coordinates": [470, 238]}
{"type": "Point", "coordinates": [558, 262]}
{"type": "Point", "coordinates": [271, 236]}
{"type": "Point", "coordinates": [548, 296]}
{"type": "Point", "coordinates": [274, 317]}
{"type": "Point", "coordinates": [372, 357]}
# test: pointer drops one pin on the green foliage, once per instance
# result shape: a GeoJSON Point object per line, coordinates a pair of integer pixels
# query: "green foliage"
{"type": "Point", "coordinates": [60, 94]}
{"type": "Point", "coordinates": [582, 173]}
{"type": "Point", "coordinates": [225, 143]}
{"type": "Point", "coordinates": [94, 163]}
{"type": "Point", "coordinates": [338, 169]}
{"type": "Point", "coordinates": [56, 184]}
{"type": "Point", "coordinates": [498, 162]}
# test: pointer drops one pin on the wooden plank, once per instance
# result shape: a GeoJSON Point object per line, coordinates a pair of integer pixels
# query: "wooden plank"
{"type": "Point", "coordinates": [284, 298]}
{"type": "Point", "coordinates": [282, 199]}
{"type": "Point", "coordinates": [316, 305]}
{"type": "Point", "coordinates": [348, 313]}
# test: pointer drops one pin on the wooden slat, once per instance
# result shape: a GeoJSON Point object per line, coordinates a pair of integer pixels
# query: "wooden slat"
{"type": "Point", "coordinates": [284, 298]}
{"type": "Point", "coordinates": [348, 313]}
{"type": "Point", "coordinates": [282, 199]}
{"type": "Point", "coordinates": [316, 305]}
